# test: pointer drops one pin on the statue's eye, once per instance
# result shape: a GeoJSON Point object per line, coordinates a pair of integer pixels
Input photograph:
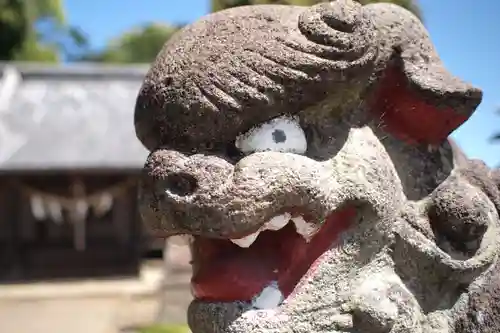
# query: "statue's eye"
{"type": "Point", "coordinates": [282, 134]}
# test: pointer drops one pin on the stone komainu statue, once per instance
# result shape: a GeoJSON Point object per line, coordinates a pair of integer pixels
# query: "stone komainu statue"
{"type": "Point", "coordinates": [306, 151]}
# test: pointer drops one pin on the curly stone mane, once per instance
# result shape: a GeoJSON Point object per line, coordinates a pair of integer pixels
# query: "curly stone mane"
{"type": "Point", "coordinates": [247, 65]}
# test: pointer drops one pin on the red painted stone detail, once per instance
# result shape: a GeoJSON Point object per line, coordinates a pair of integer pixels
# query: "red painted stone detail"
{"type": "Point", "coordinates": [408, 116]}
{"type": "Point", "coordinates": [226, 272]}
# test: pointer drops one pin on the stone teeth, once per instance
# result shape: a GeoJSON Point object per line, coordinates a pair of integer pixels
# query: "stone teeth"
{"type": "Point", "coordinates": [306, 230]}
{"type": "Point", "coordinates": [278, 222]}
{"type": "Point", "coordinates": [269, 298]}
{"type": "Point", "coordinates": [247, 240]}
{"type": "Point", "coordinates": [273, 224]}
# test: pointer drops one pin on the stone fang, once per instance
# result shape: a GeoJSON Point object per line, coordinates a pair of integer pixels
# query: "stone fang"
{"type": "Point", "coordinates": [306, 230]}
{"type": "Point", "coordinates": [247, 240]}
{"type": "Point", "coordinates": [278, 222]}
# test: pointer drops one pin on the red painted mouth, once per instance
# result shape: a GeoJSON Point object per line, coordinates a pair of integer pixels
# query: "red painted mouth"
{"type": "Point", "coordinates": [225, 272]}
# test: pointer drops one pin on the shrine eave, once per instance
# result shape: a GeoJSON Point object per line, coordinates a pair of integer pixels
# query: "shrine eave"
{"type": "Point", "coordinates": [66, 117]}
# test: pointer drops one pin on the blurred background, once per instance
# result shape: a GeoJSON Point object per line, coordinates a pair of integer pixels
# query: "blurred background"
{"type": "Point", "coordinates": [73, 255]}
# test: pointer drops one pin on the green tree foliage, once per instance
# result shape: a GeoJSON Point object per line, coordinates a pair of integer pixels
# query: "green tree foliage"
{"type": "Point", "coordinates": [223, 4]}
{"type": "Point", "coordinates": [36, 30]}
{"type": "Point", "coordinates": [13, 26]}
{"type": "Point", "coordinates": [140, 45]}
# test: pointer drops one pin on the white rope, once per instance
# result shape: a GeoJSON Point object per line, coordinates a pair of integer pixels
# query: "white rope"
{"type": "Point", "coordinates": [76, 204]}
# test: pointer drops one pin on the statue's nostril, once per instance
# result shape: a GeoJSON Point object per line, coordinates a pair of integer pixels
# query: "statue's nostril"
{"type": "Point", "coordinates": [182, 184]}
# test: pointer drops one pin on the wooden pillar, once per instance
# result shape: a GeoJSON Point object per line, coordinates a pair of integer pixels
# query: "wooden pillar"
{"type": "Point", "coordinates": [123, 217]}
{"type": "Point", "coordinates": [78, 214]}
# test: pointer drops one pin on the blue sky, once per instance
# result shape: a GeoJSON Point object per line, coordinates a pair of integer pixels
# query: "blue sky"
{"type": "Point", "coordinates": [466, 34]}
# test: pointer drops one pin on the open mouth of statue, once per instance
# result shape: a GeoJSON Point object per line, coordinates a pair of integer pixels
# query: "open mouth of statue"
{"type": "Point", "coordinates": [264, 267]}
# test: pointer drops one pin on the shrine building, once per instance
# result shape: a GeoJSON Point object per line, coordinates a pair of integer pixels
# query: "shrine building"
{"type": "Point", "coordinates": [69, 168]}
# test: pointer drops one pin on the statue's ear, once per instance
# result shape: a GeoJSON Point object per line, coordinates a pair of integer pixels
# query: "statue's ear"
{"type": "Point", "coordinates": [422, 103]}
{"type": "Point", "coordinates": [417, 99]}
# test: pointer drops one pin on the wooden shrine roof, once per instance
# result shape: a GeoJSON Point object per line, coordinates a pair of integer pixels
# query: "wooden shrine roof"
{"type": "Point", "coordinates": [60, 117]}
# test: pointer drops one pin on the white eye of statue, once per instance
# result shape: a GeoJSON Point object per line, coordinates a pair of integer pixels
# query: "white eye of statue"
{"type": "Point", "coordinates": [282, 134]}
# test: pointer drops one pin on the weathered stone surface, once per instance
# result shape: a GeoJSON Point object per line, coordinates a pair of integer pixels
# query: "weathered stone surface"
{"type": "Point", "coordinates": [411, 225]}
